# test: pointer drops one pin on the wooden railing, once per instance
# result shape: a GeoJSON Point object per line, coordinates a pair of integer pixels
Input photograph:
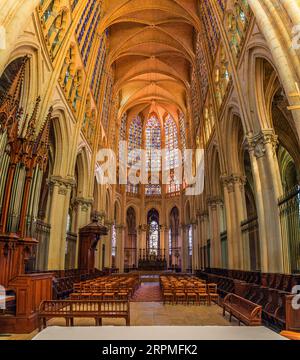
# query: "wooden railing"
{"type": "Point", "coordinates": [70, 309]}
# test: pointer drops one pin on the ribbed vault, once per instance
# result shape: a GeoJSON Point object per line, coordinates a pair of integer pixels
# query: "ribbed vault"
{"type": "Point", "coordinates": [151, 51]}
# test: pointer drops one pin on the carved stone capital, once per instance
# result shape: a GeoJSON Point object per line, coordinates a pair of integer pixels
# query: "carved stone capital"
{"type": "Point", "coordinates": [64, 184]}
{"type": "Point", "coordinates": [214, 201]}
{"type": "Point", "coordinates": [232, 180]}
{"type": "Point", "coordinates": [257, 143]}
{"type": "Point", "coordinates": [84, 203]}
{"type": "Point", "coordinates": [203, 216]}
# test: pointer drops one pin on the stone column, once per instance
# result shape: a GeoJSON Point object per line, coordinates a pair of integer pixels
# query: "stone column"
{"type": "Point", "coordinates": [184, 250]}
{"type": "Point", "coordinates": [273, 248]}
{"type": "Point", "coordinates": [203, 219]}
{"type": "Point", "coordinates": [195, 258]}
{"type": "Point", "coordinates": [60, 190]}
{"type": "Point", "coordinates": [167, 246]}
{"type": "Point", "coordinates": [234, 196]}
{"type": "Point", "coordinates": [214, 215]}
{"type": "Point", "coordinates": [162, 239]}
{"type": "Point", "coordinates": [108, 245]}
{"type": "Point", "coordinates": [120, 246]}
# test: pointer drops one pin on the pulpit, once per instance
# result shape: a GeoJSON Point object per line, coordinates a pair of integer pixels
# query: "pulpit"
{"type": "Point", "coordinates": [89, 237]}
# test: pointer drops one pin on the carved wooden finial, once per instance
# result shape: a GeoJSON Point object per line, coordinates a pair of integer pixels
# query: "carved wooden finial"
{"type": "Point", "coordinates": [31, 126]}
{"type": "Point", "coordinates": [10, 102]}
{"type": "Point", "coordinates": [42, 141]}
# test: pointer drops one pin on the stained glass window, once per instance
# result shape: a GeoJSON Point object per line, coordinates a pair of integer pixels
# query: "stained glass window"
{"type": "Point", "coordinates": [173, 185]}
{"type": "Point", "coordinates": [153, 189]}
{"type": "Point", "coordinates": [182, 132]}
{"type": "Point", "coordinates": [153, 144]}
{"type": "Point", "coordinates": [134, 141]}
{"type": "Point", "coordinates": [153, 237]}
{"type": "Point", "coordinates": [171, 136]}
{"type": "Point", "coordinates": [113, 240]}
{"type": "Point", "coordinates": [190, 238]}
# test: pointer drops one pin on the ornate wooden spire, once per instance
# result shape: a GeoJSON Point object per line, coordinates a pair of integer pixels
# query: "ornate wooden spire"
{"type": "Point", "coordinates": [10, 110]}
{"type": "Point", "coordinates": [42, 142]}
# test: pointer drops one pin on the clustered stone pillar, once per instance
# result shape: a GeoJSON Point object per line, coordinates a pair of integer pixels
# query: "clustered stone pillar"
{"type": "Point", "coordinates": [183, 230]}
{"type": "Point", "coordinates": [214, 211]}
{"type": "Point", "coordinates": [234, 196]}
{"type": "Point", "coordinates": [120, 229]}
{"type": "Point", "coordinates": [167, 245]}
{"type": "Point", "coordinates": [60, 190]}
{"type": "Point", "coordinates": [195, 258]}
{"type": "Point", "coordinates": [203, 236]}
{"type": "Point", "coordinates": [268, 189]}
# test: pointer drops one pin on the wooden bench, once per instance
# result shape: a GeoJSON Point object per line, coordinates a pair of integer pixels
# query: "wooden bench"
{"type": "Point", "coordinates": [244, 310]}
{"type": "Point", "coordinates": [70, 309]}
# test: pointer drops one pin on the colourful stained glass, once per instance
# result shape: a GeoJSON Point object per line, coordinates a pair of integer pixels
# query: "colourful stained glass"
{"type": "Point", "coordinates": [134, 141]}
{"type": "Point", "coordinates": [153, 189]}
{"type": "Point", "coordinates": [190, 238]}
{"type": "Point", "coordinates": [173, 186]}
{"type": "Point", "coordinates": [171, 136]}
{"type": "Point", "coordinates": [154, 237]}
{"type": "Point", "coordinates": [182, 132]}
{"type": "Point", "coordinates": [122, 135]}
{"type": "Point", "coordinates": [211, 28]}
{"type": "Point", "coordinates": [113, 240]}
{"type": "Point", "coordinates": [153, 144]}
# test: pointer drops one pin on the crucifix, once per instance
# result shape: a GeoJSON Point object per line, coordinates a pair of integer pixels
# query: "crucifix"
{"type": "Point", "coordinates": [295, 95]}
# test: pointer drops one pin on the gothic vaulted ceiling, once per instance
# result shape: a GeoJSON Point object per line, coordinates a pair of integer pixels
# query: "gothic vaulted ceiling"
{"type": "Point", "coordinates": [151, 51]}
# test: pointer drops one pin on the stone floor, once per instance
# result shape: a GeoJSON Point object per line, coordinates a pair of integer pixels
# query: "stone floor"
{"type": "Point", "coordinates": [153, 313]}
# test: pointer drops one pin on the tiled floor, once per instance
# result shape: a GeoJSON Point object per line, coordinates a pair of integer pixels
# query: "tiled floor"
{"type": "Point", "coordinates": [154, 313]}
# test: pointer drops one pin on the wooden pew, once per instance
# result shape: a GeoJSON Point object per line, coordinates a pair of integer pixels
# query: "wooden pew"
{"type": "Point", "coordinates": [70, 309]}
{"type": "Point", "coordinates": [244, 310]}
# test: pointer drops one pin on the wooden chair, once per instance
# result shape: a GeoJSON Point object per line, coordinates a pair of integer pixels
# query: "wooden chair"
{"type": "Point", "coordinates": [202, 294]}
{"type": "Point", "coordinates": [168, 296]}
{"type": "Point", "coordinates": [180, 296]}
{"type": "Point", "coordinates": [191, 297]}
{"type": "Point", "coordinates": [213, 293]}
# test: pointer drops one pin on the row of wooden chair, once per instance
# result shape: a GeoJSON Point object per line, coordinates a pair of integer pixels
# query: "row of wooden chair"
{"type": "Point", "coordinates": [187, 290]}
{"type": "Point", "coordinates": [198, 295]}
{"type": "Point", "coordinates": [106, 288]}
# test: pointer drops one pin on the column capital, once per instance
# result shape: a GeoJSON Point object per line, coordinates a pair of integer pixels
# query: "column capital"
{"type": "Point", "coordinates": [85, 203]}
{"type": "Point", "coordinates": [63, 184]}
{"type": "Point", "coordinates": [214, 201]}
{"type": "Point", "coordinates": [203, 215]}
{"type": "Point", "coordinates": [234, 179]}
{"type": "Point", "coordinates": [257, 143]}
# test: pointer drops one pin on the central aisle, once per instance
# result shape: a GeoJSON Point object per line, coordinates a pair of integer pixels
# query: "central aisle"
{"type": "Point", "coordinates": [148, 292]}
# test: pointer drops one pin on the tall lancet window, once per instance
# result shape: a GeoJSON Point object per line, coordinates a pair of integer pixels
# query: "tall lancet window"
{"type": "Point", "coordinates": [153, 143]}
{"type": "Point", "coordinates": [134, 140]}
{"type": "Point", "coordinates": [172, 153]}
{"type": "Point", "coordinates": [171, 134]}
{"type": "Point", "coordinates": [134, 146]}
{"type": "Point", "coordinates": [153, 148]}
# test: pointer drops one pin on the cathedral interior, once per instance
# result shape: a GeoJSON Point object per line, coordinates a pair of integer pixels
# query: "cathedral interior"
{"type": "Point", "coordinates": [216, 79]}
